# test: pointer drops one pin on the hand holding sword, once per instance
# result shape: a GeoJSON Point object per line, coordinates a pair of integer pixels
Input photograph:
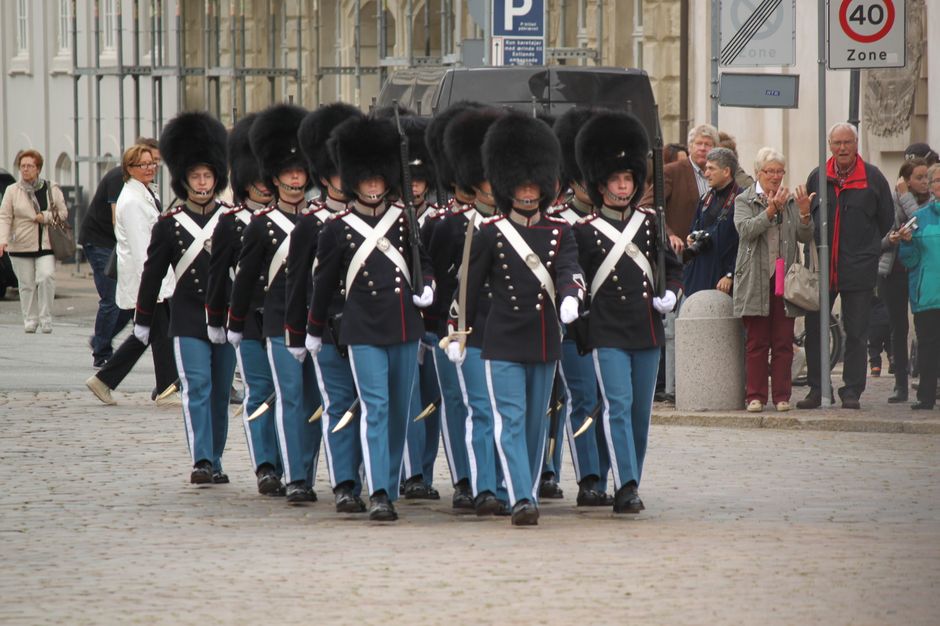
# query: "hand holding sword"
{"type": "Point", "coordinates": [455, 343]}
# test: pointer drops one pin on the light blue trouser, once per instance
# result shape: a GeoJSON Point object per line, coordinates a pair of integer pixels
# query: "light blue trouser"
{"type": "Point", "coordinates": [384, 377]}
{"type": "Point", "coordinates": [423, 437]}
{"type": "Point", "coordinates": [588, 451]}
{"type": "Point", "coordinates": [206, 371]}
{"type": "Point", "coordinates": [260, 433]}
{"type": "Point", "coordinates": [297, 398]}
{"type": "Point", "coordinates": [453, 417]}
{"type": "Point", "coordinates": [519, 394]}
{"type": "Point", "coordinates": [627, 380]}
{"type": "Point", "coordinates": [338, 390]}
{"type": "Point", "coordinates": [485, 471]}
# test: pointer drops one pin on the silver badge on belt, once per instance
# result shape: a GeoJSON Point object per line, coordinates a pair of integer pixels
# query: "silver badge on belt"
{"type": "Point", "coordinates": [532, 260]}
{"type": "Point", "coordinates": [633, 250]}
{"type": "Point", "coordinates": [383, 244]}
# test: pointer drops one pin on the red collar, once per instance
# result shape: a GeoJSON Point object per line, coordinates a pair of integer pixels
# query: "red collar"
{"type": "Point", "coordinates": [855, 179]}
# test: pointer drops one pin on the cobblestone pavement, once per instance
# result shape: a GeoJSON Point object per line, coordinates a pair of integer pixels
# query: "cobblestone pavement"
{"type": "Point", "coordinates": [98, 525]}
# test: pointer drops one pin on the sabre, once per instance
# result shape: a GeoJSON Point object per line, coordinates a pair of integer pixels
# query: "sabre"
{"type": "Point", "coordinates": [462, 331]}
{"type": "Point", "coordinates": [590, 419]}
{"type": "Point", "coordinates": [316, 415]}
{"type": "Point", "coordinates": [169, 391]}
{"type": "Point", "coordinates": [428, 410]}
{"type": "Point", "coordinates": [417, 277]}
{"type": "Point", "coordinates": [553, 412]}
{"type": "Point", "coordinates": [659, 200]}
{"type": "Point", "coordinates": [262, 408]}
{"type": "Point", "coordinates": [347, 417]}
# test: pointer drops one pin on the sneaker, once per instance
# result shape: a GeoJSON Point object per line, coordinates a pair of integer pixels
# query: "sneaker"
{"type": "Point", "coordinates": [171, 400]}
{"type": "Point", "coordinates": [101, 390]}
{"type": "Point", "coordinates": [755, 406]}
{"type": "Point", "coordinates": [783, 407]}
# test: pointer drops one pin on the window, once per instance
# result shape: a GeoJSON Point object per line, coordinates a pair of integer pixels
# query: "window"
{"type": "Point", "coordinates": [109, 26]}
{"type": "Point", "coordinates": [638, 33]}
{"type": "Point", "coordinates": [65, 26]}
{"type": "Point", "coordinates": [22, 27]}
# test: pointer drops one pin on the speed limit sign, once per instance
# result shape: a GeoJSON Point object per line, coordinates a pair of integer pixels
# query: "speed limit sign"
{"type": "Point", "coordinates": [866, 34]}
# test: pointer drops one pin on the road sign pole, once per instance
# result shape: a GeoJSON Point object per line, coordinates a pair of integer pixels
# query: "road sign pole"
{"type": "Point", "coordinates": [822, 191]}
{"type": "Point", "coordinates": [854, 80]}
{"type": "Point", "coordinates": [716, 36]}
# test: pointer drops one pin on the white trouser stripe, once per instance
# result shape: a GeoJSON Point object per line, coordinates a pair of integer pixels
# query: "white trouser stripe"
{"type": "Point", "coordinates": [325, 422]}
{"type": "Point", "coordinates": [184, 396]}
{"type": "Point", "coordinates": [471, 456]}
{"type": "Point", "coordinates": [610, 444]}
{"type": "Point", "coordinates": [445, 430]}
{"type": "Point", "coordinates": [363, 428]}
{"type": "Point", "coordinates": [569, 433]}
{"type": "Point", "coordinates": [245, 422]}
{"type": "Point", "coordinates": [279, 416]}
{"type": "Point", "coordinates": [498, 431]}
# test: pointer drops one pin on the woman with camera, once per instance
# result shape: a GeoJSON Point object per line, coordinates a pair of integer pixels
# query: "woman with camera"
{"type": "Point", "coordinates": [770, 222]}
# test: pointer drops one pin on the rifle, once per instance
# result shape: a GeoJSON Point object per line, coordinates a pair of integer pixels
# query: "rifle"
{"type": "Point", "coordinates": [659, 200]}
{"type": "Point", "coordinates": [417, 277]}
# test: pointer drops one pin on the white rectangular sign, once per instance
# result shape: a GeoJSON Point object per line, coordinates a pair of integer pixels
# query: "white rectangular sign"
{"type": "Point", "coordinates": [867, 34]}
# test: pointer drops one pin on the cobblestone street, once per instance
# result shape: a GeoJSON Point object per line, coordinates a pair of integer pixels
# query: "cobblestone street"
{"type": "Point", "coordinates": [100, 526]}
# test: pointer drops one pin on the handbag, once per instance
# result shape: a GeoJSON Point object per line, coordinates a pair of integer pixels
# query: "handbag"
{"type": "Point", "coordinates": [61, 237]}
{"type": "Point", "coordinates": [110, 268]}
{"type": "Point", "coordinates": [801, 285]}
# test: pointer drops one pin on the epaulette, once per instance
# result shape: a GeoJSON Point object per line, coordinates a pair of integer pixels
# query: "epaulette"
{"type": "Point", "coordinates": [235, 209]}
{"type": "Point", "coordinates": [312, 206]}
{"type": "Point", "coordinates": [171, 210]}
{"type": "Point", "coordinates": [555, 208]}
{"type": "Point", "coordinates": [459, 209]}
{"type": "Point", "coordinates": [342, 213]}
{"type": "Point", "coordinates": [587, 219]}
{"type": "Point", "coordinates": [265, 210]}
{"type": "Point", "coordinates": [493, 219]}
{"type": "Point", "coordinates": [647, 210]}
{"type": "Point", "coordinates": [437, 214]}
{"type": "Point", "coordinates": [557, 220]}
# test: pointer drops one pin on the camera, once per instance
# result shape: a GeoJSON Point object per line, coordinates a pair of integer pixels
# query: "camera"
{"type": "Point", "coordinates": [701, 241]}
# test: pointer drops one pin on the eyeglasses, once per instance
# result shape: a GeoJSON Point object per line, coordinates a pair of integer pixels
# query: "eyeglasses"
{"type": "Point", "coordinates": [27, 166]}
{"type": "Point", "coordinates": [146, 166]}
{"type": "Point", "coordinates": [935, 181]}
{"type": "Point", "coordinates": [845, 142]}
{"type": "Point", "coordinates": [774, 172]}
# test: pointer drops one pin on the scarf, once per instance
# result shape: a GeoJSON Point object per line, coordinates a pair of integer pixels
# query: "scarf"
{"type": "Point", "coordinates": [31, 189]}
{"type": "Point", "coordinates": [855, 178]}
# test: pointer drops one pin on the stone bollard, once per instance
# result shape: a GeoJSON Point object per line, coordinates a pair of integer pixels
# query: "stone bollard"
{"type": "Point", "coordinates": [709, 354]}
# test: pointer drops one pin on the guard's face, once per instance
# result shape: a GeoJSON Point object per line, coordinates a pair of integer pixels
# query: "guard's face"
{"type": "Point", "coordinates": [699, 149]}
{"type": "Point", "coordinates": [619, 189]}
{"type": "Point", "coordinates": [484, 193]}
{"type": "Point", "coordinates": [334, 187]}
{"type": "Point", "coordinates": [418, 189]}
{"type": "Point", "coordinates": [844, 146]}
{"type": "Point", "coordinates": [717, 177]}
{"type": "Point", "coordinates": [526, 196]}
{"type": "Point", "coordinates": [201, 180]}
{"type": "Point", "coordinates": [371, 189]}
{"type": "Point", "coordinates": [292, 179]}
{"type": "Point", "coordinates": [259, 192]}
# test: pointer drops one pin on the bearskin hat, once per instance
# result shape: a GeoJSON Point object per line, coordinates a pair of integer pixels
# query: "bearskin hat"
{"type": "Point", "coordinates": [419, 158]}
{"type": "Point", "coordinates": [243, 165]}
{"type": "Point", "coordinates": [463, 144]}
{"type": "Point", "coordinates": [273, 139]}
{"type": "Point", "coordinates": [611, 141]}
{"type": "Point", "coordinates": [435, 140]}
{"type": "Point", "coordinates": [364, 147]}
{"type": "Point", "coordinates": [191, 139]}
{"type": "Point", "coordinates": [566, 129]}
{"type": "Point", "coordinates": [314, 132]}
{"type": "Point", "coordinates": [521, 149]}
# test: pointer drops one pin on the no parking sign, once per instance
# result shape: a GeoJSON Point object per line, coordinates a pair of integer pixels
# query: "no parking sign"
{"type": "Point", "coordinates": [867, 34]}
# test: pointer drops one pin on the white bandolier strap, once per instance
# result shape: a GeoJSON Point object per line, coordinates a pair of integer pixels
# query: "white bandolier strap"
{"type": "Point", "coordinates": [321, 214]}
{"type": "Point", "coordinates": [623, 242]}
{"type": "Point", "coordinates": [530, 258]}
{"type": "Point", "coordinates": [374, 239]}
{"type": "Point", "coordinates": [569, 216]}
{"type": "Point", "coordinates": [200, 237]}
{"type": "Point", "coordinates": [280, 255]}
{"type": "Point", "coordinates": [244, 215]}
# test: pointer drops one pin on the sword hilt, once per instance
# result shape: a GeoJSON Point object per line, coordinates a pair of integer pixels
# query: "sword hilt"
{"type": "Point", "coordinates": [454, 335]}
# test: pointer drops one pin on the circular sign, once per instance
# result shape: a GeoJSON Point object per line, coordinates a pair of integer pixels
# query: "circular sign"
{"type": "Point", "coordinates": [866, 21]}
{"type": "Point", "coordinates": [741, 10]}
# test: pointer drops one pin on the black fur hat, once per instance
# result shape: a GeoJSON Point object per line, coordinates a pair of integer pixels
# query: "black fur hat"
{"type": "Point", "coordinates": [419, 159]}
{"type": "Point", "coordinates": [314, 132]}
{"type": "Point", "coordinates": [463, 144]}
{"type": "Point", "coordinates": [566, 129]}
{"type": "Point", "coordinates": [521, 149]}
{"type": "Point", "coordinates": [365, 147]}
{"type": "Point", "coordinates": [241, 160]}
{"type": "Point", "coordinates": [611, 141]}
{"type": "Point", "coordinates": [435, 140]}
{"type": "Point", "coordinates": [190, 139]}
{"type": "Point", "coordinates": [273, 139]}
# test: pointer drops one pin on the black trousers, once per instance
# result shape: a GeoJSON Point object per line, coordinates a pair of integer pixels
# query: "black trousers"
{"type": "Point", "coordinates": [927, 325]}
{"type": "Point", "coordinates": [856, 314]}
{"type": "Point", "coordinates": [129, 352]}
{"type": "Point", "coordinates": [894, 293]}
{"type": "Point", "coordinates": [879, 340]}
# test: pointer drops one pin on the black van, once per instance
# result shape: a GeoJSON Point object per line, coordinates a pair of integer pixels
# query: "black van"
{"type": "Point", "coordinates": [554, 89]}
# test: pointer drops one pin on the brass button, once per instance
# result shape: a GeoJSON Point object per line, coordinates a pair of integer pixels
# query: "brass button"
{"type": "Point", "coordinates": [397, 289]}
{"type": "Point", "coordinates": [538, 307]}
{"type": "Point", "coordinates": [374, 293]}
{"type": "Point", "coordinates": [370, 283]}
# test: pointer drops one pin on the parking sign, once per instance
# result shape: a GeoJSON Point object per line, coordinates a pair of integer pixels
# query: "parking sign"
{"type": "Point", "coordinates": [518, 32]}
{"type": "Point", "coordinates": [867, 34]}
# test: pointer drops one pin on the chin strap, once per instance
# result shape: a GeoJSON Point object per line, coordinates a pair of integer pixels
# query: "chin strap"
{"type": "Point", "coordinates": [372, 200]}
{"type": "Point", "coordinates": [627, 200]}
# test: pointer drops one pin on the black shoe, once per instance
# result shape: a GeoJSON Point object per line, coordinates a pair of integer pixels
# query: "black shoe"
{"type": "Point", "coordinates": [850, 401]}
{"type": "Point", "coordinates": [589, 495]}
{"type": "Point", "coordinates": [415, 488]}
{"type": "Point", "coordinates": [922, 406]}
{"type": "Point", "coordinates": [269, 483]}
{"type": "Point", "coordinates": [381, 510]}
{"type": "Point", "coordinates": [463, 495]}
{"type": "Point", "coordinates": [202, 473]}
{"type": "Point", "coordinates": [347, 501]}
{"type": "Point", "coordinates": [627, 501]}
{"type": "Point", "coordinates": [219, 478]}
{"type": "Point", "coordinates": [900, 395]}
{"type": "Point", "coordinates": [548, 487]}
{"type": "Point", "coordinates": [813, 400]}
{"type": "Point", "coordinates": [486, 504]}
{"type": "Point", "coordinates": [504, 509]}
{"type": "Point", "coordinates": [524, 513]}
{"type": "Point", "coordinates": [99, 362]}
{"type": "Point", "coordinates": [298, 492]}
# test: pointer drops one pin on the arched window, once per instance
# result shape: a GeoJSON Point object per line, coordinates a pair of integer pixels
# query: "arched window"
{"type": "Point", "coordinates": [63, 170]}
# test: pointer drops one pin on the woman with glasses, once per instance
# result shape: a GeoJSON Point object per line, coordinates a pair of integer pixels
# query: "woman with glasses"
{"type": "Point", "coordinates": [135, 213]}
{"type": "Point", "coordinates": [28, 207]}
{"type": "Point", "coordinates": [770, 222]}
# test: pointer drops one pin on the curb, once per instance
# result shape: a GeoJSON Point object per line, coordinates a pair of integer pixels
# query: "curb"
{"type": "Point", "coordinates": [849, 425]}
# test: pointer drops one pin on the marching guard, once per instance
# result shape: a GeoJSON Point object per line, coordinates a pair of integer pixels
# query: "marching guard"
{"type": "Point", "coordinates": [576, 367]}
{"type": "Point", "coordinates": [273, 140]}
{"type": "Point", "coordinates": [618, 247]}
{"type": "Point", "coordinates": [362, 255]}
{"type": "Point", "coordinates": [250, 195]}
{"type": "Point", "coordinates": [194, 148]}
{"type": "Point", "coordinates": [343, 451]}
{"type": "Point", "coordinates": [530, 260]}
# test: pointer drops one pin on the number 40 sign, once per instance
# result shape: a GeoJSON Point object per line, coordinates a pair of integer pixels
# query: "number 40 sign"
{"type": "Point", "coordinates": [866, 34]}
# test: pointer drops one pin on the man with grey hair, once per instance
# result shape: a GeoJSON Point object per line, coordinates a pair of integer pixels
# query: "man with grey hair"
{"type": "Point", "coordinates": [712, 244]}
{"type": "Point", "coordinates": [860, 212]}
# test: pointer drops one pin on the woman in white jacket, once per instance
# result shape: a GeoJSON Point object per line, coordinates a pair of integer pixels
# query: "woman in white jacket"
{"type": "Point", "coordinates": [136, 211]}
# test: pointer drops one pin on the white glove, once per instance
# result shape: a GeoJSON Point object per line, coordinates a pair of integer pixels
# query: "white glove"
{"type": "Point", "coordinates": [234, 338]}
{"type": "Point", "coordinates": [216, 334]}
{"type": "Point", "coordinates": [142, 333]}
{"type": "Point", "coordinates": [455, 353]}
{"type": "Point", "coordinates": [425, 299]}
{"type": "Point", "coordinates": [666, 303]}
{"type": "Point", "coordinates": [299, 353]}
{"type": "Point", "coordinates": [313, 345]}
{"type": "Point", "coordinates": [569, 310]}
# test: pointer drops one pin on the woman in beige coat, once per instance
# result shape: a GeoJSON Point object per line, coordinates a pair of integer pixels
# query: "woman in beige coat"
{"type": "Point", "coordinates": [26, 210]}
{"type": "Point", "coordinates": [770, 222]}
